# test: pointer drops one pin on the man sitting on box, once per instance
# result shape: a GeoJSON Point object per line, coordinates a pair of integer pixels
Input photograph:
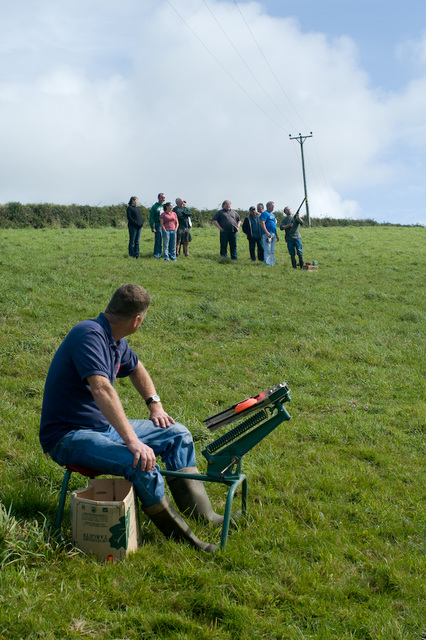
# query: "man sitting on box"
{"type": "Point", "coordinates": [83, 422]}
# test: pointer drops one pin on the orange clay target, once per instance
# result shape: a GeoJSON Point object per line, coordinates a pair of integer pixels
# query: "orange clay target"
{"type": "Point", "coordinates": [245, 404]}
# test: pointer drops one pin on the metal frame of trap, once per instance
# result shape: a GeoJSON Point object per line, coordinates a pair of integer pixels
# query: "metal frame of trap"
{"type": "Point", "coordinates": [224, 455]}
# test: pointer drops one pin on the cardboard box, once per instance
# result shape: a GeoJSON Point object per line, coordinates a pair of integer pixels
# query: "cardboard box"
{"type": "Point", "coordinates": [310, 267]}
{"type": "Point", "coordinates": [105, 520]}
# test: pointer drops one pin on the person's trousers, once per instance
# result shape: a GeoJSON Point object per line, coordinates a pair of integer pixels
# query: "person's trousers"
{"type": "Point", "coordinates": [169, 245]}
{"type": "Point", "coordinates": [269, 249]}
{"type": "Point", "coordinates": [295, 246]}
{"type": "Point", "coordinates": [105, 451]}
{"type": "Point", "coordinates": [158, 238]}
{"type": "Point", "coordinates": [253, 243]}
{"type": "Point", "coordinates": [228, 237]}
{"type": "Point", "coordinates": [134, 239]}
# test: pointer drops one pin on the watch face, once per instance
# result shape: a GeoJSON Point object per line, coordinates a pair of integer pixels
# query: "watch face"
{"type": "Point", "coordinates": [154, 398]}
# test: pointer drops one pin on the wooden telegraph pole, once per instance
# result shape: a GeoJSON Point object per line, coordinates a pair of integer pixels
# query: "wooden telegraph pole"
{"type": "Point", "coordinates": [301, 139]}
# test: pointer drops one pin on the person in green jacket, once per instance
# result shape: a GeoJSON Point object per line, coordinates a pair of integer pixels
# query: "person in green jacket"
{"type": "Point", "coordinates": [154, 223]}
{"type": "Point", "coordinates": [290, 225]}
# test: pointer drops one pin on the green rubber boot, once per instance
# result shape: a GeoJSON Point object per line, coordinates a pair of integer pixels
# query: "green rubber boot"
{"type": "Point", "coordinates": [192, 499]}
{"type": "Point", "coordinates": [169, 522]}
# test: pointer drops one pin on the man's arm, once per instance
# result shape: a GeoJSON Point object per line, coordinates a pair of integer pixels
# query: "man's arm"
{"type": "Point", "coordinates": [152, 213]}
{"type": "Point", "coordinates": [215, 222]}
{"type": "Point", "coordinates": [284, 227]}
{"type": "Point", "coordinates": [143, 384]}
{"type": "Point", "coordinates": [109, 403]}
{"type": "Point", "coordinates": [263, 225]}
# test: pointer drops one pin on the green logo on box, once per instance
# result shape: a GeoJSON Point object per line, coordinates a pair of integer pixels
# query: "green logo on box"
{"type": "Point", "coordinates": [120, 532]}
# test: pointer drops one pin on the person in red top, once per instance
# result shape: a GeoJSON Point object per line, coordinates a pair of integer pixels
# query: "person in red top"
{"type": "Point", "coordinates": [169, 224]}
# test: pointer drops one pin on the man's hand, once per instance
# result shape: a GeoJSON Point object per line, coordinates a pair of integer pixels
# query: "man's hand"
{"type": "Point", "coordinates": [143, 455]}
{"type": "Point", "coordinates": [160, 417]}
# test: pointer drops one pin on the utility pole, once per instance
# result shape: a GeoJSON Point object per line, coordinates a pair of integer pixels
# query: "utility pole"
{"type": "Point", "coordinates": [301, 139]}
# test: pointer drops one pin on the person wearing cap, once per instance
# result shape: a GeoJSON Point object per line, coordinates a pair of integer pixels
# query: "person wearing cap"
{"type": "Point", "coordinates": [228, 222]}
{"type": "Point", "coordinates": [268, 222]}
{"type": "Point", "coordinates": [251, 227]}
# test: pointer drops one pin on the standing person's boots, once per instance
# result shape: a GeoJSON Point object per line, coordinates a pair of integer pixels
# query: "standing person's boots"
{"type": "Point", "coordinates": [301, 263]}
{"type": "Point", "coordinates": [192, 499]}
{"type": "Point", "coordinates": [293, 262]}
{"type": "Point", "coordinates": [169, 522]}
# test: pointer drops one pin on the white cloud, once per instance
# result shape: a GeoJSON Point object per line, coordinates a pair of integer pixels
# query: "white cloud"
{"type": "Point", "coordinates": [413, 51]}
{"type": "Point", "coordinates": [102, 101]}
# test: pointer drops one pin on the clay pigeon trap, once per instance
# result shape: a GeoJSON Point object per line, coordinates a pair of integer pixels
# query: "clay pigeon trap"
{"type": "Point", "coordinates": [257, 417]}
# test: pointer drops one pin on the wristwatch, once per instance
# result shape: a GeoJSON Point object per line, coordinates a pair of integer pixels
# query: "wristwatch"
{"type": "Point", "coordinates": [152, 399]}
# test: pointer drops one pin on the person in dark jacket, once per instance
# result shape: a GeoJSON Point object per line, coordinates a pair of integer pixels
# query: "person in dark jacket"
{"type": "Point", "coordinates": [184, 230]}
{"type": "Point", "coordinates": [251, 227]}
{"type": "Point", "coordinates": [134, 224]}
{"type": "Point", "coordinates": [228, 222]}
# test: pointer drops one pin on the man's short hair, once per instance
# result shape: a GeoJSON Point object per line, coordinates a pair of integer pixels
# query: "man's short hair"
{"type": "Point", "coordinates": [269, 203]}
{"type": "Point", "coordinates": [128, 301]}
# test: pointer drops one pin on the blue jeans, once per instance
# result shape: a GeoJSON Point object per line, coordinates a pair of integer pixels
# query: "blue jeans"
{"type": "Point", "coordinates": [105, 451]}
{"type": "Point", "coordinates": [268, 245]}
{"type": "Point", "coordinates": [157, 241]}
{"type": "Point", "coordinates": [169, 245]}
{"type": "Point", "coordinates": [134, 238]}
{"type": "Point", "coordinates": [295, 246]}
{"type": "Point", "coordinates": [228, 237]}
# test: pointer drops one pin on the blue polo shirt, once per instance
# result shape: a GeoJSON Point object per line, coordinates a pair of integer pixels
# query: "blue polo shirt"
{"type": "Point", "coordinates": [68, 404]}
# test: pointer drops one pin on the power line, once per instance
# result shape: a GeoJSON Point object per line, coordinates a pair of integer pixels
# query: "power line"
{"type": "Point", "coordinates": [223, 67]}
{"type": "Point", "coordinates": [245, 63]}
{"type": "Point", "coordinates": [257, 81]}
{"type": "Point", "coordinates": [267, 63]}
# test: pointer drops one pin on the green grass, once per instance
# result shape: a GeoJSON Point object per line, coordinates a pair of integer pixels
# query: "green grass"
{"type": "Point", "coordinates": [334, 543]}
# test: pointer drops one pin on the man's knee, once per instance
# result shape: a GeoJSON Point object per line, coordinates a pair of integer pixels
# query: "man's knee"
{"type": "Point", "coordinates": [180, 431]}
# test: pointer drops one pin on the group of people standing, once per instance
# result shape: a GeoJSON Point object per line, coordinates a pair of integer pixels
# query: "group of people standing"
{"type": "Point", "coordinates": [171, 226]}
{"type": "Point", "coordinates": [172, 229]}
{"type": "Point", "coordinates": [260, 227]}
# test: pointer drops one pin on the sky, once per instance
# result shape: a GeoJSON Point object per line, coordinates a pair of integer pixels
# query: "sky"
{"type": "Point", "coordinates": [103, 100]}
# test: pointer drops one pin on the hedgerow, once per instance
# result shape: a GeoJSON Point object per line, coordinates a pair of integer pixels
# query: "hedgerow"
{"type": "Point", "coordinates": [14, 215]}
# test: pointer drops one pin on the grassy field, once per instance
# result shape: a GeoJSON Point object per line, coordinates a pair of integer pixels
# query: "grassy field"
{"type": "Point", "coordinates": [334, 543]}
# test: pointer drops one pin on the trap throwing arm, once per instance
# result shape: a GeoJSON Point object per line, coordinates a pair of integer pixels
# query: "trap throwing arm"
{"type": "Point", "coordinates": [260, 415]}
{"type": "Point", "coordinates": [224, 455]}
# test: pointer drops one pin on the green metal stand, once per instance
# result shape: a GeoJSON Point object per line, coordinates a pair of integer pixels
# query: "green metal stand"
{"type": "Point", "coordinates": [224, 455]}
{"type": "Point", "coordinates": [233, 485]}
